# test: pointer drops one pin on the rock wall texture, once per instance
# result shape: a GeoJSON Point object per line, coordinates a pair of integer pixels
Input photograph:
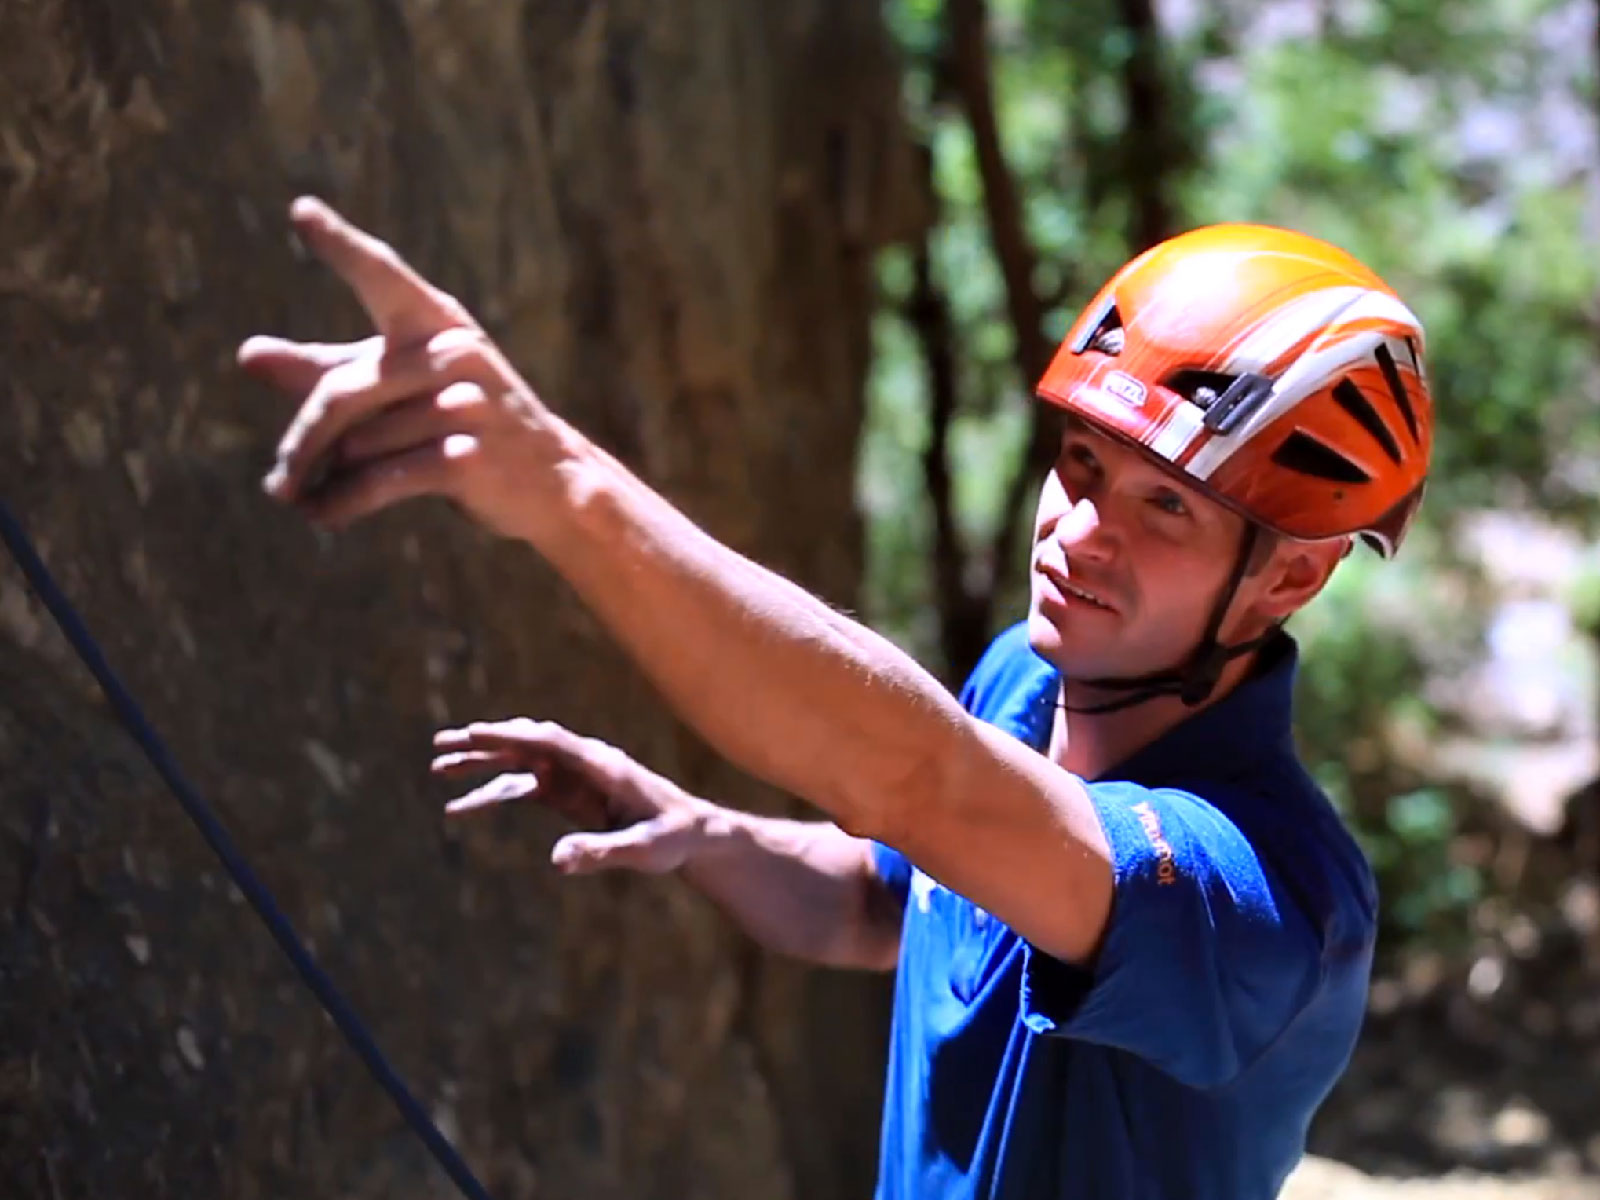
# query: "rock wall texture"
{"type": "Point", "coordinates": [667, 214]}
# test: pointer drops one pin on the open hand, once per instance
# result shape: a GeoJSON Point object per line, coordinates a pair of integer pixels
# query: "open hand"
{"type": "Point", "coordinates": [633, 817]}
{"type": "Point", "coordinates": [428, 406]}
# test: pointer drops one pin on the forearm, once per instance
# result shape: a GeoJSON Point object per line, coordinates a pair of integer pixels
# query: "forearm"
{"type": "Point", "coordinates": [778, 682]}
{"type": "Point", "coordinates": [805, 889]}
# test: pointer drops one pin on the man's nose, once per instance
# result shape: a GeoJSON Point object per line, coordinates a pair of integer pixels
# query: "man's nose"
{"type": "Point", "coordinates": [1080, 532]}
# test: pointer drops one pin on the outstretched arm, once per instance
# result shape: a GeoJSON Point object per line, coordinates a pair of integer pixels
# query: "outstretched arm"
{"type": "Point", "coordinates": [806, 889]}
{"type": "Point", "coordinates": [781, 684]}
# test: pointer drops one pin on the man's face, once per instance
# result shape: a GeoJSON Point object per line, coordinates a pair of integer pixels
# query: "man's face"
{"type": "Point", "coordinates": [1127, 561]}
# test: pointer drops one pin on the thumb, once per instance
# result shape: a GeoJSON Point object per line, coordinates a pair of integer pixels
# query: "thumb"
{"type": "Point", "coordinates": [655, 846]}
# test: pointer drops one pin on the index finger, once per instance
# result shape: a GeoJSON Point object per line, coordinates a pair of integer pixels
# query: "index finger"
{"type": "Point", "coordinates": [295, 367]}
{"type": "Point", "coordinates": [513, 733]}
{"type": "Point", "coordinates": [403, 305]}
{"type": "Point", "coordinates": [593, 760]}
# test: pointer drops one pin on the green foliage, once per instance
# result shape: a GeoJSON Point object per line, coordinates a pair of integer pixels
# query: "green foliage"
{"type": "Point", "coordinates": [1361, 692]}
{"type": "Point", "coordinates": [889, 489]}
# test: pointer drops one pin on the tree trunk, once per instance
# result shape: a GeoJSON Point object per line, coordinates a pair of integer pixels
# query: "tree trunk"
{"type": "Point", "coordinates": [668, 220]}
{"type": "Point", "coordinates": [1154, 154]}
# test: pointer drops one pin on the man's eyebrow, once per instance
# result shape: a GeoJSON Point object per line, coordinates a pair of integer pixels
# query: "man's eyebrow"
{"type": "Point", "coordinates": [1073, 423]}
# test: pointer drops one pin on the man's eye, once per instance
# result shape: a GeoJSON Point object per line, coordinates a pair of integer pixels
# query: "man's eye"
{"type": "Point", "coordinates": [1082, 456]}
{"type": "Point", "coordinates": [1171, 503]}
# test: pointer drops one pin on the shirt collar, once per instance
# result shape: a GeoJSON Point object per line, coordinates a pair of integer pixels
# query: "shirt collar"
{"type": "Point", "coordinates": [1225, 739]}
{"type": "Point", "coordinates": [1249, 724]}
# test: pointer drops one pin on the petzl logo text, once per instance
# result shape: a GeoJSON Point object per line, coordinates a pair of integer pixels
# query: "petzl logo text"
{"type": "Point", "coordinates": [1125, 388]}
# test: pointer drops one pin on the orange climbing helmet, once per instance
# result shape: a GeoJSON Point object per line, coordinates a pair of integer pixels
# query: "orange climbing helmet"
{"type": "Point", "coordinates": [1272, 370]}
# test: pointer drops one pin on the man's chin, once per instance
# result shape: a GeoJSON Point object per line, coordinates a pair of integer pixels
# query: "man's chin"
{"type": "Point", "coordinates": [1046, 640]}
{"type": "Point", "coordinates": [1078, 653]}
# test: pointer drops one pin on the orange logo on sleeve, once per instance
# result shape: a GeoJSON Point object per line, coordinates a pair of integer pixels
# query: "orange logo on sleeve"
{"type": "Point", "coordinates": [1166, 870]}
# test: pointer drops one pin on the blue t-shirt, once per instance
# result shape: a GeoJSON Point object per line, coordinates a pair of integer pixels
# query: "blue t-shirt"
{"type": "Point", "coordinates": [1224, 1003]}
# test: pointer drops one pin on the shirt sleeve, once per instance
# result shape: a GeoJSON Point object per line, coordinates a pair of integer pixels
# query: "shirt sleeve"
{"type": "Point", "coordinates": [894, 869]}
{"type": "Point", "coordinates": [1206, 959]}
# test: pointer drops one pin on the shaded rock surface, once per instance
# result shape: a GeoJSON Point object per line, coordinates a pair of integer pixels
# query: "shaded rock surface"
{"type": "Point", "coordinates": [667, 217]}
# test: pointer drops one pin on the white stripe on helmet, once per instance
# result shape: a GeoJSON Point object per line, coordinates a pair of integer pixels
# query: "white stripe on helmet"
{"type": "Point", "coordinates": [1312, 371]}
{"type": "Point", "coordinates": [1301, 318]}
{"type": "Point", "coordinates": [1181, 427]}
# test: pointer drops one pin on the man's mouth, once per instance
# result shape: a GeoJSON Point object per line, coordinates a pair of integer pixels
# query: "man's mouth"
{"type": "Point", "coordinates": [1067, 588]}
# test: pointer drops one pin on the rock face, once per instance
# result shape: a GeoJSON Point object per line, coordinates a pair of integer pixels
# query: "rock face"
{"type": "Point", "coordinates": [667, 215]}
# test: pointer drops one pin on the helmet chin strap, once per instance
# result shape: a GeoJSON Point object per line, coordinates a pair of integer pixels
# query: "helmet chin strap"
{"type": "Point", "coordinates": [1195, 680]}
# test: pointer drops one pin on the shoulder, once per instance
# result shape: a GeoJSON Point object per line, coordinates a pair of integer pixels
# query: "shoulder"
{"type": "Point", "coordinates": [1321, 859]}
{"type": "Point", "coordinates": [1274, 845]}
{"type": "Point", "coordinates": [1314, 858]}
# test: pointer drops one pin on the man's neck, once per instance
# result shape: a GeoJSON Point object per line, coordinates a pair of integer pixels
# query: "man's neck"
{"type": "Point", "coordinates": [1090, 744]}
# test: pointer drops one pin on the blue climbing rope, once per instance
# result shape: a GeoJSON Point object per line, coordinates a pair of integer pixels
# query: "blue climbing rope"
{"type": "Point", "coordinates": [337, 1007]}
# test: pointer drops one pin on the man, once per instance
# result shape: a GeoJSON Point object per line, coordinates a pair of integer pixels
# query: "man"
{"type": "Point", "coordinates": [1132, 937]}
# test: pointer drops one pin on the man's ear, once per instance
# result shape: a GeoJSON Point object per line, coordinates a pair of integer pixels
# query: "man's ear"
{"type": "Point", "coordinates": [1294, 573]}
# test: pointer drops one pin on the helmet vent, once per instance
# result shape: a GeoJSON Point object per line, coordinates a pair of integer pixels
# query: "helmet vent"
{"type": "Point", "coordinates": [1101, 330]}
{"type": "Point", "coordinates": [1303, 453]}
{"type": "Point", "coordinates": [1391, 376]}
{"type": "Point", "coordinates": [1349, 398]}
{"type": "Point", "coordinates": [1200, 388]}
{"type": "Point", "coordinates": [1416, 359]}
{"type": "Point", "coordinates": [1227, 400]}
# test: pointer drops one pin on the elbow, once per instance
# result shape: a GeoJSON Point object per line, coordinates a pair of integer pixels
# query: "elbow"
{"type": "Point", "coordinates": [862, 812]}
{"type": "Point", "coordinates": [884, 802]}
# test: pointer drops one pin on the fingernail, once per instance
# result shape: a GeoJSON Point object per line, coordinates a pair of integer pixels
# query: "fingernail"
{"type": "Point", "coordinates": [276, 483]}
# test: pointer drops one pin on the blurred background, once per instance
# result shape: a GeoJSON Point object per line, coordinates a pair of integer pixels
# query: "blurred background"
{"type": "Point", "coordinates": [798, 265]}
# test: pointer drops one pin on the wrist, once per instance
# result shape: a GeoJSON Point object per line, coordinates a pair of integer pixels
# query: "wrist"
{"type": "Point", "coordinates": [554, 478]}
